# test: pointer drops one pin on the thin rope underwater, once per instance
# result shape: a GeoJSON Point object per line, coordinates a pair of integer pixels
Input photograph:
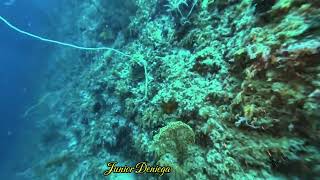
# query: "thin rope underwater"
{"type": "Point", "coordinates": [58, 42]}
{"type": "Point", "coordinates": [76, 47]}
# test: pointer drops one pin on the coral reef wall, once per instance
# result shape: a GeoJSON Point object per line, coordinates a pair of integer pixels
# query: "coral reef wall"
{"type": "Point", "coordinates": [217, 89]}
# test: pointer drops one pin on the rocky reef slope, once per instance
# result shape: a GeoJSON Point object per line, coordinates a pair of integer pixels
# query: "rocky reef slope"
{"type": "Point", "coordinates": [216, 89]}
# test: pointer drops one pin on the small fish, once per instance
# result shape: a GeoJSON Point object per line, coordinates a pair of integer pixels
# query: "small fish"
{"type": "Point", "coordinates": [9, 133]}
{"type": "Point", "coordinates": [9, 2]}
{"type": "Point", "coordinates": [315, 94]}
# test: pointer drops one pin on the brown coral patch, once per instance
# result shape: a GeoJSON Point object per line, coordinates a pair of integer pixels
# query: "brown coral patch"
{"type": "Point", "coordinates": [169, 107]}
{"type": "Point", "coordinates": [204, 69]}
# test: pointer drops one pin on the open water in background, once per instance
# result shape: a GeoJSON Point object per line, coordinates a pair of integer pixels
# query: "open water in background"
{"type": "Point", "coordinates": [23, 64]}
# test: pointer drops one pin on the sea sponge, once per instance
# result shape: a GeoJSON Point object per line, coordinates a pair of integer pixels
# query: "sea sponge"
{"type": "Point", "coordinates": [174, 138]}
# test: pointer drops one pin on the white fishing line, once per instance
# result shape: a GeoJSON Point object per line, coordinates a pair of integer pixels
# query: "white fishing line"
{"type": "Point", "coordinates": [59, 42]}
{"type": "Point", "coordinates": [76, 47]}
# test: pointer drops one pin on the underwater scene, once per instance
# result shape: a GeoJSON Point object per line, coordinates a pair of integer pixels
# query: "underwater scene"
{"type": "Point", "coordinates": [160, 89]}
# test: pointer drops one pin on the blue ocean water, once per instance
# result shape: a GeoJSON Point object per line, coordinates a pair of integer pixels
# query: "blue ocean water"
{"type": "Point", "coordinates": [23, 61]}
